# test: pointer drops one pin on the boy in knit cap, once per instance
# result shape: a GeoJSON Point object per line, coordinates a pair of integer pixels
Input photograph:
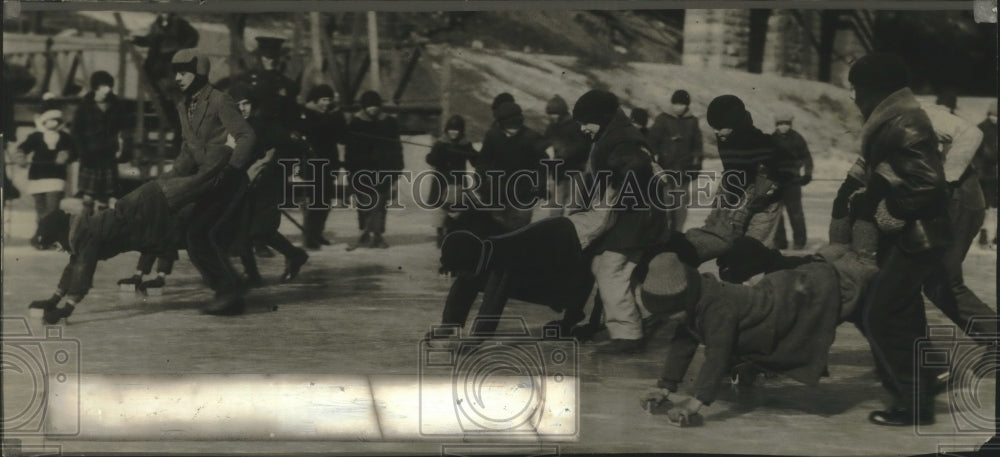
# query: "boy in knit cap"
{"type": "Point", "coordinates": [676, 142]}
{"type": "Point", "coordinates": [789, 139]}
{"type": "Point", "coordinates": [321, 131]}
{"type": "Point", "coordinates": [755, 169]}
{"type": "Point", "coordinates": [374, 158]}
{"type": "Point", "coordinates": [571, 146]}
{"type": "Point", "coordinates": [513, 151]}
{"type": "Point", "coordinates": [784, 323]}
{"type": "Point", "coordinates": [97, 127]}
{"type": "Point", "coordinates": [448, 158]}
{"type": "Point", "coordinates": [621, 165]}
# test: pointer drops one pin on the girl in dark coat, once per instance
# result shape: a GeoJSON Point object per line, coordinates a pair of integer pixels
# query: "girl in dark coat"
{"type": "Point", "coordinates": [448, 158]}
{"type": "Point", "coordinates": [98, 122]}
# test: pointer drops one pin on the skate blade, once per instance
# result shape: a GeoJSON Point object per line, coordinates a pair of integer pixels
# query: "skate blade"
{"type": "Point", "coordinates": [694, 420]}
{"type": "Point", "coordinates": [154, 291]}
{"type": "Point", "coordinates": [126, 287]}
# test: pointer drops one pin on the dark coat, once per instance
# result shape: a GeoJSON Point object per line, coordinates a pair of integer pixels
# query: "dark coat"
{"type": "Point", "coordinates": [373, 144]}
{"type": "Point", "coordinates": [321, 132]}
{"type": "Point", "coordinates": [43, 164]}
{"type": "Point", "coordinates": [163, 41]}
{"type": "Point", "coordinates": [96, 131]}
{"type": "Point", "coordinates": [449, 155]}
{"type": "Point", "coordinates": [523, 151]}
{"type": "Point", "coordinates": [676, 142]}
{"type": "Point", "coordinates": [568, 143]}
{"type": "Point", "coordinates": [799, 155]}
{"type": "Point", "coordinates": [900, 147]}
{"type": "Point", "coordinates": [621, 151]}
{"type": "Point", "coordinates": [205, 131]}
{"type": "Point", "coordinates": [784, 323]}
{"type": "Point", "coordinates": [148, 219]}
{"type": "Point", "coordinates": [275, 94]}
{"type": "Point", "coordinates": [985, 159]}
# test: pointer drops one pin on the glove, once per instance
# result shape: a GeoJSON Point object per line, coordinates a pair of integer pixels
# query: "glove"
{"type": "Point", "coordinates": [684, 409]}
{"type": "Point", "coordinates": [653, 397]}
{"type": "Point", "coordinates": [48, 303]}
{"type": "Point", "coordinates": [861, 206]}
{"type": "Point", "coordinates": [842, 201]}
{"type": "Point", "coordinates": [885, 220]}
{"type": "Point", "coordinates": [745, 259]}
{"type": "Point", "coordinates": [805, 179]}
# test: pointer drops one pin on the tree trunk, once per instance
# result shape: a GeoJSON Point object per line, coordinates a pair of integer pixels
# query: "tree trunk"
{"type": "Point", "coordinates": [238, 59]}
{"type": "Point", "coordinates": [829, 20]}
{"type": "Point", "coordinates": [756, 40]}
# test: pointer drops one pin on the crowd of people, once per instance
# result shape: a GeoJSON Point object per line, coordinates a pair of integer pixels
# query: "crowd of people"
{"type": "Point", "coordinates": [901, 224]}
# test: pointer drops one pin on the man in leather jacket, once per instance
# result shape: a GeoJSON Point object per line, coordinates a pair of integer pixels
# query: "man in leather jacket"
{"type": "Point", "coordinates": [905, 192]}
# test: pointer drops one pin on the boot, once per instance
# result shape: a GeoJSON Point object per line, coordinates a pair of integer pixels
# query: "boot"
{"type": "Point", "coordinates": [53, 315]}
{"type": "Point", "coordinates": [230, 304]}
{"type": "Point", "coordinates": [293, 264]}
{"type": "Point", "coordinates": [133, 281]}
{"type": "Point", "coordinates": [983, 238]}
{"type": "Point", "coordinates": [379, 242]}
{"type": "Point", "coordinates": [156, 283]}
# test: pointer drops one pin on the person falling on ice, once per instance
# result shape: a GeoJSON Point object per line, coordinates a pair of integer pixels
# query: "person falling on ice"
{"type": "Point", "coordinates": [784, 323]}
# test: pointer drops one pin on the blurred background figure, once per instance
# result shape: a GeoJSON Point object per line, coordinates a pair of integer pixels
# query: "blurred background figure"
{"type": "Point", "coordinates": [676, 142]}
{"type": "Point", "coordinates": [572, 146]}
{"type": "Point", "coordinates": [448, 157]}
{"type": "Point", "coordinates": [46, 152]}
{"type": "Point", "coordinates": [640, 119]}
{"type": "Point", "coordinates": [793, 143]}
{"type": "Point", "coordinates": [985, 163]}
{"type": "Point", "coordinates": [97, 128]}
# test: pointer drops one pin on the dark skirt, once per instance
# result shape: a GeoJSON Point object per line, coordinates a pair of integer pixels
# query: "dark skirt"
{"type": "Point", "coordinates": [99, 182]}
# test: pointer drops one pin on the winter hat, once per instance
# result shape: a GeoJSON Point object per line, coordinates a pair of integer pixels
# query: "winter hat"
{"type": "Point", "coordinates": [669, 284]}
{"type": "Point", "coordinates": [947, 98]}
{"type": "Point", "coordinates": [680, 97]}
{"type": "Point", "coordinates": [726, 111]}
{"type": "Point", "coordinates": [51, 109]}
{"type": "Point", "coordinates": [370, 99]}
{"type": "Point", "coordinates": [455, 122]}
{"type": "Point", "coordinates": [101, 78]}
{"type": "Point", "coordinates": [639, 116]}
{"type": "Point", "coordinates": [269, 47]}
{"type": "Point", "coordinates": [500, 99]}
{"type": "Point", "coordinates": [783, 118]}
{"type": "Point", "coordinates": [884, 73]}
{"type": "Point", "coordinates": [556, 106]}
{"type": "Point", "coordinates": [508, 114]}
{"type": "Point", "coordinates": [318, 92]}
{"type": "Point", "coordinates": [190, 61]}
{"type": "Point", "coordinates": [240, 92]}
{"type": "Point", "coordinates": [596, 107]}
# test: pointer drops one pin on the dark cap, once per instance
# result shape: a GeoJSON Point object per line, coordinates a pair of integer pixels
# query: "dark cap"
{"type": "Point", "coordinates": [269, 47]}
{"type": "Point", "coordinates": [101, 78]}
{"type": "Point", "coordinates": [726, 111]}
{"type": "Point", "coordinates": [880, 73]}
{"type": "Point", "coordinates": [639, 116]}
{"type": "Point", "coordinates": [241, 92]}
{"type": "Point", "coordinates": [681, 97]}
{"type": "Point", "coordinates": [456, 122]}
{"type": "Point", "coordinates": [509, 115]}
{"type": "Point", "coordinates": [318, 92]}
{"type": "Point", "coordinates": [596, 107]}
{"type": "Point", "coordinates": [370, 98]}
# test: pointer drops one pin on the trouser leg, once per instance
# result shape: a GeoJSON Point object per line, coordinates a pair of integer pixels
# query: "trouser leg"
{"type": "Point", "coordinates": [893, 318]}
{"type": "Point", "coordinates": [946, 286]}
{"type": "Point", "coordinates": [796, 217]}
{"type": "Point", "coordinates": [613, 273]}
